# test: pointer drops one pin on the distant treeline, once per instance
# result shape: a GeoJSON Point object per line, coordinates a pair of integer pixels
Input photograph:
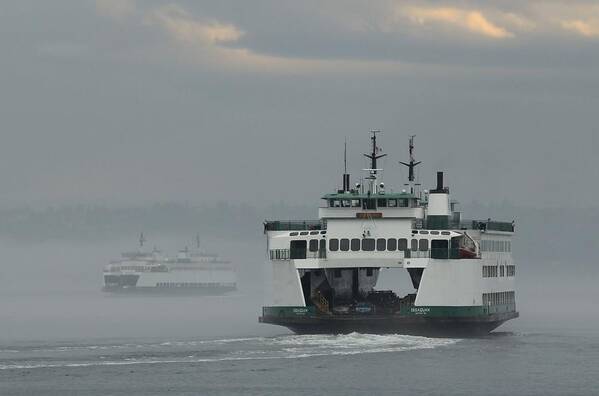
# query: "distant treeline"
{"type": "Point", "coordinates": [88, 222]}
{"type": "Point", "coordinates": [544, 234]}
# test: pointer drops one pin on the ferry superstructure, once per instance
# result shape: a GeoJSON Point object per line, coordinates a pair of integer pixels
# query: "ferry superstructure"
{"type": "Point", "coordinates": [325, 271]}
{"type": "Point", "coordinates": [191, 271]}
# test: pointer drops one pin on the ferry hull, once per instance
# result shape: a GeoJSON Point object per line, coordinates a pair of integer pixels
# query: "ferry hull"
{"type": "Point", "coordinates": [175, 282]}
{"type": "Point", "coordinates": [393, 324]}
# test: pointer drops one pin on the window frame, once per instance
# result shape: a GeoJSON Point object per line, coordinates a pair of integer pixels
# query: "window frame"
{"type": "Point", "coordinates": [344, 244]}
{"type": "Point", "coordinates": [400, 241]}
{"type": "Point", "coordinates": [414, 245]}
{"type": "Point", "coordinates": [391, 242]}
{"type": "Point", "coordinates": [333, 244]}
{"type": "Point", "coordinates": [368, 244]}
{"type": "Point", "coordinates": [313, 245]}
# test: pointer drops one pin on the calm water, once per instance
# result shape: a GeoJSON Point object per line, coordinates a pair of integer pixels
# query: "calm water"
{"type": "Point", "coordinates": [502, 364]}
{"type": "Point", "coordinates": [59, 335]}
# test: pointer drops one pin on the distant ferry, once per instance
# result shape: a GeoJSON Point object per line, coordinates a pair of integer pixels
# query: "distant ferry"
{"type": "Point", "coordinates": [325, 271]}
{"type": "Point", "coordinates": [193, 272]}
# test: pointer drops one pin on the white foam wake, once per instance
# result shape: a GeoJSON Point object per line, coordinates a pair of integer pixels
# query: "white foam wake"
{"type": "Point", "coordinates": [255, 348]}
{"type": "Point", "coordinates": [106, 347]}
{"type": "Point", "coordinates": [356, 343]}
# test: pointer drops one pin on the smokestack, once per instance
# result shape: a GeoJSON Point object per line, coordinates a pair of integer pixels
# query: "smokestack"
{"type": "Point", "coordinates": [346, 186]}
{"type": "Point", "coordinates": [438, 210]}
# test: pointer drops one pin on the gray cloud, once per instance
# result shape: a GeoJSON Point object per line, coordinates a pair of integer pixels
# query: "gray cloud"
{"type": "Point", "coordinates": [251, 102]}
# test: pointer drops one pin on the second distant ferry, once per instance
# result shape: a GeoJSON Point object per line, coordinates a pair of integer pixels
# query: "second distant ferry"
{"type": "Point", "coordinates": [192, 271]}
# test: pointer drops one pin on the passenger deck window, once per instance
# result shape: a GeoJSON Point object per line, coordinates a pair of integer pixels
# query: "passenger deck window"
{"type": "Point", "coordinates": [402, 244]}
{"type": "Point", "coordinates": [344, 245]}
{"type": "Point", "coordinates": [440, 244]}
{"type": "Point", "coordinates": [381, 244]}
{"type": "Point", "coordinates": [382, 203]}
{"type": "Point", "coordinates": [369, 271]}
{"type": "Point", "coordinates": [369, 203]}
{"type": "Point", "coordinates": [402, 203]}
{"type": "Point", "coordinates": [355, 245]}
{"type": "Point", "coordinates": [313, 245]}
{"type": "Point", "coordinates": [423, 245]}
{"type": "Point", "coordinates": [391, 244]}
{"type": "Point", "coordinates": [414, 245]}
{"type": "Point", "coordinates": [367, 244]}
{"type": "Point", "coordinates": [392, 203]}
{"type": "Point", "coordinates": [355, 203]}
{"type": "Point", "coordinates": [333, 245]}
{"type": "Point", "coordinates": [297, 249]}
{"type": "Point", "coordinates": [313, 232]}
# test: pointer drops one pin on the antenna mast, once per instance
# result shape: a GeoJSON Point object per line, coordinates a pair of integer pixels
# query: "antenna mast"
{"type": "Point", "coordinates": [345, 157]}
{"type": "Point", "coordinates": [411, 165]}
{"type": "Point", "coordinates": [142, 239]}
{"type": "Point", "coordinates": [374, 156]}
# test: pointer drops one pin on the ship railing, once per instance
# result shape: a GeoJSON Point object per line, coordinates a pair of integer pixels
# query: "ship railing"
{"type": "Point", "coordinates": [484, 225]}
{"type": "Point", "coordinates": [294, 225]}
{"type": "Point", "coordinates": [284, 254]}
{"type": "Point", "coordinates": [481, 225]}
{"type": "Point", "coordinates": [434, 253]}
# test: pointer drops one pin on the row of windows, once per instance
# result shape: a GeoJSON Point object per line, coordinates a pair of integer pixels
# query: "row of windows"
{"type": "Point", "coordinates": [137, 268]}
{"type": "Point", "coordinates": [307, 233]}
{"type": "Point", "coordinates": [487, 245]}
{"type": "Point", "coordinates": [425, 232]}
{"type": "Point", "coordinates": [315, 244]}
{"type": "Point", "coordinates": [382, 244]}
{"type": "Point", "coordinates": [490, 271]}
{"type": "Point", "coordinates": [279, 254]}
{"type": "Point", "coordinates": [506, 297]}
{"type": "Point", "coordinates": [369, 203]}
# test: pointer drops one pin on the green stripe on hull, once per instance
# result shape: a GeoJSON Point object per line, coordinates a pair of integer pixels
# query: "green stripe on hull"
{"type": "Point", "coordinates": [427, 311]}
{"type": "Point", "coordinates": [456, 312]}
{"type": "Point", "coordinates": [286, 312]}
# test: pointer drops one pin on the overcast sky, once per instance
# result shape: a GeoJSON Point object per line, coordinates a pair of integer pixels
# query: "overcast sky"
{"type": "Point", "coordinates": [123, 101]}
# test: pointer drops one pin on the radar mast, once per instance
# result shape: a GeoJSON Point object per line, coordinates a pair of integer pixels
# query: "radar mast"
{"type": "Point", "coordinates": [373, 156]}
{"type": "Point", "coordinates": [411, 165]}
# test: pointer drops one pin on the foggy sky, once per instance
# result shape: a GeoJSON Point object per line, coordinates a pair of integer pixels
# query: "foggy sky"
{"type": "Point", "coordinates": [118, 101]}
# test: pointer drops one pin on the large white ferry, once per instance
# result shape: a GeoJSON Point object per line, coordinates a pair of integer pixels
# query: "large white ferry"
{"type": "Point", "coordinates": [194, 272]}
{"type": "Point", "coordinates": [326, 271]}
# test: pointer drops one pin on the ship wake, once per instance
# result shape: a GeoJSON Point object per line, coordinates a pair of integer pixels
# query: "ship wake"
{"type": "Point", "coordinates": [213, 351]}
